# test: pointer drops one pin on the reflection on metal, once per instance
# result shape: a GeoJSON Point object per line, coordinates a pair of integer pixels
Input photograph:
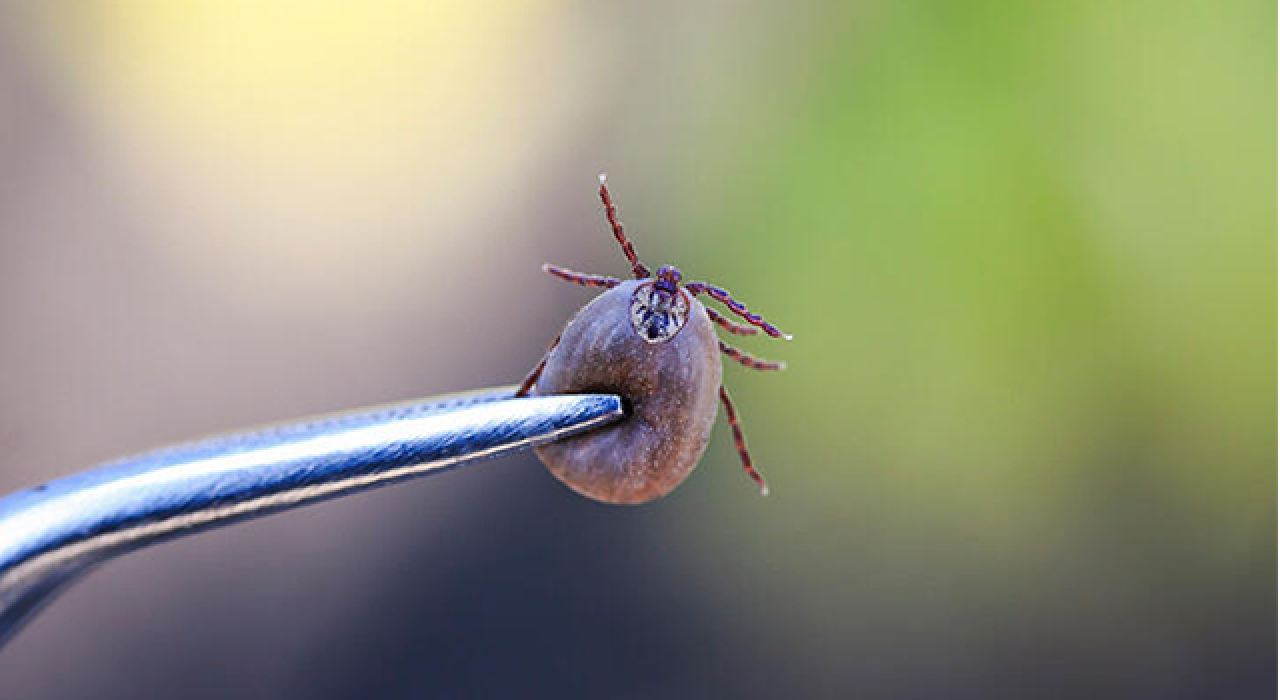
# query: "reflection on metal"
{"type": "Point", "coordinates": [51, 534]}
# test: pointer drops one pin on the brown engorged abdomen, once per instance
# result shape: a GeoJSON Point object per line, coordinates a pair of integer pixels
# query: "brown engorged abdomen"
{"type": "Point", "coordinates": [671, 388]}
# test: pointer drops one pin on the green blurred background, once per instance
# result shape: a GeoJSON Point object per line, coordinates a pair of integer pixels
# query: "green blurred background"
{"type": "Point", "coordinates": [1026, 446]}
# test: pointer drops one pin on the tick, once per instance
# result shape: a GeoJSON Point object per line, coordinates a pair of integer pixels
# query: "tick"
{"type": "Point", "coordinates": [650, 340]}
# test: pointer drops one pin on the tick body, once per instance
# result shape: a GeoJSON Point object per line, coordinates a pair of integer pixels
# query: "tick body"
{"type": "Point", "coordinates": [651, 341]}
{"type": "Point", "coordinates": [670, 387]}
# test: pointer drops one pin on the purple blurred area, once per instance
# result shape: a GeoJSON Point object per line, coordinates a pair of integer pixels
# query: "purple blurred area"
{"type": "Point", "coordinates": [155, 287]}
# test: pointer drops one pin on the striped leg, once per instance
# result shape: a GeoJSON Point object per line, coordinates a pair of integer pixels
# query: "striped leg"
{"type": "Point", "coordinates": [741, 442]}
{"type": "Point", "coordinates": [746, 360]}
{"type": "Point", "coordinates": [529, 381]}
{"type": "Point", "coordinates": [611, 213]}
{"type": "Point", "coordinates": [737, 307]}
{"type": "Point", "coordinates": [582, 278]}
{"type": "Point", "coordinates": [731, 326]}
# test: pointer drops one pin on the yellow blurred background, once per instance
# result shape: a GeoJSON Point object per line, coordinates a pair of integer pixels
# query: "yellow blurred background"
{"type": "Point", "coordinates": [1026, 445]}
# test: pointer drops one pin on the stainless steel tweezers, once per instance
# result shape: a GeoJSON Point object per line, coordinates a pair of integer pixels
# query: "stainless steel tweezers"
{"type": "Point", "coordinates": [52, 534]}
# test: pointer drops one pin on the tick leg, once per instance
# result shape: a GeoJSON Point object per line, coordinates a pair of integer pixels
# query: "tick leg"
{"type": "Point", "coordinates": [731, 326]}
{"type": "Point", "coordinates": [611, 213]}
{"type": "Point", "coordinates": [746, 360]}
{"type": "Point", "coordinates": [527, 385]}
{"type": "Point", "coordinates": [737, 307]}
{"type": "Point", "coordinates": [582, 278]}
{"type": "Point", "coordinates": [741, 442]}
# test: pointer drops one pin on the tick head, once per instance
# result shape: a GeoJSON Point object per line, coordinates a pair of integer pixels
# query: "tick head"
{"type": "Point", "coordinates": [668, 279]}
{"type": "Point", "coordinates": [660, 308]}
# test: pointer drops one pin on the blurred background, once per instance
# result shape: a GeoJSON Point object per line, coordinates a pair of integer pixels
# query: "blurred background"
{"type": "Point", "coordinates": [1026, 446]}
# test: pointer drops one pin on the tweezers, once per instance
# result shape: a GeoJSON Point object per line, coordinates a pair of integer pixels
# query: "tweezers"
{"type": "Point", "coordinates": [52, 534]}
